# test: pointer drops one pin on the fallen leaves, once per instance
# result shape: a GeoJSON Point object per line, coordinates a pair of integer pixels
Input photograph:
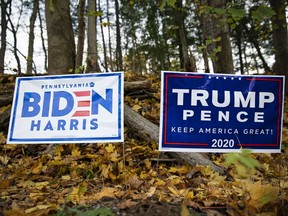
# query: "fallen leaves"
{"type": "Point", "coordinates": [261, 194]}
{"type": "Point", "coordinates": [82, 176]}
{"type": "Point", "coordinates": [37, 184]}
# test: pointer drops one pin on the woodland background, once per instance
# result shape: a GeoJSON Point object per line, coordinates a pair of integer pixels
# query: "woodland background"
{"type": "Point", "coordinates": [141, 38]}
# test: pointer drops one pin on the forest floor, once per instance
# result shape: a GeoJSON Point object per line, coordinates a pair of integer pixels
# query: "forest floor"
{"type": "Point", "coordinates": [131, 178]}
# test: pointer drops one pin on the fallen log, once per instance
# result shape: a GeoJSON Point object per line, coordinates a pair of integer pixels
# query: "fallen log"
{"type": "Point", "coordinates": [4, 120]}
{"type": "Point", "coordinates": [149, 131]}
{"type": "Point", "coordinates": [6, 98]}
{"type": "Point", "coordinates": [136, 85]}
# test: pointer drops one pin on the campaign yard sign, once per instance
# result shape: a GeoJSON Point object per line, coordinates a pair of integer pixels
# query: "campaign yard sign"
{"type": "Point", "coordinates": [220, 113]}
{"type": "Point", "coordinates": [67, 109]}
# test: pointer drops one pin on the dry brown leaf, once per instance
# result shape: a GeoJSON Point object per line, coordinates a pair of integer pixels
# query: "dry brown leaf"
{"type": "Point", "coordinates": [40, 210]}
{"type": "Point", "coordinates": [37, 168]}
{"type": "Point", "coordinates": [106, 192]}
{"type": "Point", "coordinates": [127, 204]}
{"type": "Point", "coordinates": [135, 182]}
{"type": "Point", "coordinates": [151, 192]}
{"type": "Point", "coordinates": [136, 107]}
{"type": "Point", "coordinates": [4, 183]}
{"type": "Point", "coordinates": [13, 212]}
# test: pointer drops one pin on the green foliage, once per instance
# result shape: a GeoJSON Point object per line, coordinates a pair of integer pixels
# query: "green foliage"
{"type": "Point", "coordinates": [243, 161]}
{"type": "Point", "coordinates": [82, 190]}
{"type": "Point", "coordinates": [235, 16]}
{"type": "Point", "coordinates": [170, 3]}
{"type": "Point", "coordinates": [262, 12]}
{"type": "Point", "coordinates": [212, 10]}
{"type": "Point", "coordinates": [216, 50]}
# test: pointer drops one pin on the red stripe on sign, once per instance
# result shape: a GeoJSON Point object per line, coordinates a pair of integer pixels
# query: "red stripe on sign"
{"type": "Point", "coordinates": [82, 93]}
{"type": "Point", "coordinates": [83, 103]}
{"type": "Point", "coordinates": [81, 113]}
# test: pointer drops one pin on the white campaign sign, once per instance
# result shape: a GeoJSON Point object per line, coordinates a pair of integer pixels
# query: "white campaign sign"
{"type": "Point", "coordinates": [67, 108]}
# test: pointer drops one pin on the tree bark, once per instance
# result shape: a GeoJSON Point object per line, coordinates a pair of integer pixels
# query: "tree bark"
{"type": "Point", "coordinates": [4, 6]}
{"type": "Point", "coordinates": [92, 53]}
{"type": "Point", "coordinates": [31, 37]}
{"type": "Point", "coordinates": [103, 38]}
{"type": "Point", "coordinates": [43, 40]}
{"type": "Point", "coordinates": [216, 31]}
{"type": "Point", "coordinates": [149, 131]}
{"type": "Point", "coordinates": [81, 34]}
{"type": "Point", "coordinates": [14, 30]}
{"type": "Point", "coordinates": [119, 62]}
{"type": "Point", "coordinates": [6, 98]}
{"type": "Point", "coordinates": [61, 44]}
{"type": "Point", "coordinates": [185, 62]}
{"type": "Point", "coordinates": [136, 85]}
{"type": "Point", "coordinates": [4, 120]}
{"type": "Point", "coordinates": [280, 38]}
{"type": "Point", "coordinates": [109, 36]}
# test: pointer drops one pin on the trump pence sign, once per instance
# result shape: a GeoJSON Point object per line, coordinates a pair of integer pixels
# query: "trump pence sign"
{"type": "Point", "coordinates": [220, 113]}
{"type": "Point", "coordinates": [67, 108]}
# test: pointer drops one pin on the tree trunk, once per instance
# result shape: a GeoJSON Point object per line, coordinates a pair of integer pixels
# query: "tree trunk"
{"type": "Point", "coordinates": [43, 40]}
{"type": "Point", "coordinates": [103, 38]}
{"type": "Point", "coordinates": [14, 33]}
{"type": "Point", "coordinates": [61, 44]}
{"type": "Point", "coordinates": [4, 6]}
{"type": "Point", "coordinates": [109, 37]}
{"type": "Point", "coordinates": [31, 37]}
{"type": "Point", "coordinates": [92, 53]}
{"type": "Point", "coordinates": [185, 62]}
{"type": "Point", "coordinates": [119, 62]}
{"type": "Point", "coordinates": [149, 131]}
{"type": "Point", "coordinates": [238, 38]}
{"type": "Point", "coordinates": [280, 38]}
{"type": "Point", "coordinates": [216, 31]}
{"type": "Point", "coordinates": [81, 34]}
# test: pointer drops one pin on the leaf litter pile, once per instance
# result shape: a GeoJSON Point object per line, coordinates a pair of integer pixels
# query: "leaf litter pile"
{"type": "Point", "coordinates": [133, 179]}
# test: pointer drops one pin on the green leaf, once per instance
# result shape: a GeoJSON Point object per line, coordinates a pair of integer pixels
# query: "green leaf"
{"type": "Point", "coordinates": [242, 161]}
{"type": "Point", "coordinates": [236, 14]}
{"type": "Point", "coordinates": [262, 12]}
{"type": "Point", "coordinates": [219, 11]}
{"type": "Point", "coordinates": [206, 9]}
{"type": "Point", "coordinates": [82, 190]}
{"type": "Point", "coordinates": [170, 3]}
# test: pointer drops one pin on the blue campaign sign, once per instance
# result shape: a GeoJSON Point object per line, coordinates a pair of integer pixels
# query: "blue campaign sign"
{"type": "Point", "coordinates": [67, 109]}
{"type": "Point", "coordinates": [220, 113]}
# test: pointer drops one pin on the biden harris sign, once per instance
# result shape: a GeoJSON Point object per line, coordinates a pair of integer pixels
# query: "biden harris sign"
{"type": "Point", "coordinates": [67, 108]}
{"type": "Point", "coordinates": [220, 113]}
